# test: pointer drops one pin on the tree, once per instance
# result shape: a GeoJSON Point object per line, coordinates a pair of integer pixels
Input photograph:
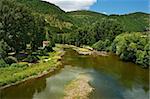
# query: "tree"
{"type": "Point", "coordinates": [38, 32]}
{"type": "Point", "coordinates": [133, 47]}
{"type": "Point", "coordinates": [102, 45]}
{"type": "Point", "coordinates": [16, 24]}
{"type": "Point", "coordinates": [3, 63]}
{"type": "Point", "coordinates": [84, 36]}
{"type": "Point", "coordinates": [107, 29]}
{"type": "Point", "coordinates": [50, 37]}
{"type": "Point", "coordinates": [3, 49]}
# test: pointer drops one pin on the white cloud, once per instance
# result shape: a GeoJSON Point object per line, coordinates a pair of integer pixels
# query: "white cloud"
{"type": "Point", "coordinates": [104, 12]}
{"type": "Point", "coordinates": [72, 5]}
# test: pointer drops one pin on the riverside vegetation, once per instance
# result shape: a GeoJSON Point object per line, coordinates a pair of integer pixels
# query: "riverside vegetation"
{"type": "Point", "coordinates": [25, 24]}
{"type": "Point", "coordinates": [22, 70]}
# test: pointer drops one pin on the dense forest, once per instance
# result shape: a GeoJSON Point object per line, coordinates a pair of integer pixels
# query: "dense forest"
{"type": "Point", "coordinates": [25, 24]}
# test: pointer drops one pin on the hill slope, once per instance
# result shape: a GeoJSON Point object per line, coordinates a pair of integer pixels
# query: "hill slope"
{"type": "Point", "coordinates": [83, 17]}
{"type": "Point", "coordinates": [56, 17]}
{"type": "Point", "coordinates": [66, 22]}
{"type": "Point", "coordinates": [41, 6]}
{"type": "Point", "coordinates": [132, 22]}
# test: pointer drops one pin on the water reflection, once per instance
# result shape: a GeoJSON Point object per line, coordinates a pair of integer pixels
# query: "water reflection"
{"type": "Point", "coordinates": [129, 75]}
{"type": "Point", "coordinates": [24, 90]}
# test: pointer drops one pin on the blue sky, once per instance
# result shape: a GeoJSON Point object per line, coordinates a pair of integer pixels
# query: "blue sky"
{"type": "Point", "coordinates": [121, 6]}
{"type": "Point", "coordinates": [104, 6]}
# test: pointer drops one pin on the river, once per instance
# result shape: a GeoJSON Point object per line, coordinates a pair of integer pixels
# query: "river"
{"type": "Point", "coordinates": [111, 78]}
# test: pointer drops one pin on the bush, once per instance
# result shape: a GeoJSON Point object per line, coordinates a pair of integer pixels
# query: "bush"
{"type": "Point", "coordinates": [9, 60]}
{"type": "Point", "coordinates": [22, 64]}
{"type": "Point", "coordinates": [31, 59]}
{"type": "Point", "coordinates": [102, 45]}
{"type": "Point", "coordinates": [48, 49]}
{"type": "Point", "coordinates": [35, 53]}
{"type": "Point", "coordinates": [43, 53]}
{"type": "Point", "coordinates": [3, 49]}
{"type": "Point", "coordinates": [3, 63]}
{"type": "Point", "coordinates": [21, 56]}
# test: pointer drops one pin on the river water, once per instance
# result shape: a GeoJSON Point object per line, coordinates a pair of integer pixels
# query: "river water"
{"type": "Point", "coordinates": [111, 78]}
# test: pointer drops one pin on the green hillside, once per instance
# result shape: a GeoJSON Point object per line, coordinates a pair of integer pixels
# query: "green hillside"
{"type": "Point", "coordinates": [60, 21]}
{"type": "Point", "coordinates": [42, 6]}
{"type": "Point", "coordinates": [131, 22]}
{"type": "Point", "coordinates": [56, 17]}
{"type": "Point", "coordinates": [84, 17]}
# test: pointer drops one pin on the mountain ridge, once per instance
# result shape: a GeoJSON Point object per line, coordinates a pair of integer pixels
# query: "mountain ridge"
{"type": "Point", "coordinates": [67, 21]}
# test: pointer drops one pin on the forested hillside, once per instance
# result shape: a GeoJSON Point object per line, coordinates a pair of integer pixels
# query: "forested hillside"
{"type": "Point", "coordinates": [64, 22]}
{"type": "Point", "coordinates": [132, 22]}
{"type": "Point", "coordinates": [82, 18]}
{"type": "Point", "coordinates": [42, 6]}
{"type": "Point", "coordinates": [56, 17]}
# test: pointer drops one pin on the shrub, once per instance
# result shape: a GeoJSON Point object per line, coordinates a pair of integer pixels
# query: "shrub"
{"type": "Point", "coordinates": [43, 53]}
{"type": "Point", "coordinates": [102, 45]}
{"type": "Point", "coordinates": [35, 53]}
{"type": "Point", "coordinates": [21, 56]}
{"type": "Point", "coordinates": [48, 49]}
{"type": "Point", "coordinates": [3, 63]}
{"type": "Point", "coordinates": [31, 59]}
{"type": "Point", "coordinates": [9, 60]}
{"type": "Point", "coordinates": [22, 64]}
{"type": "Point", "coordinates": [3, 49]}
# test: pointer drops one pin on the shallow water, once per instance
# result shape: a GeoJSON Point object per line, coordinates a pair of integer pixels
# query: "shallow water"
{"type": "Point", "coordinates": [111, 78]}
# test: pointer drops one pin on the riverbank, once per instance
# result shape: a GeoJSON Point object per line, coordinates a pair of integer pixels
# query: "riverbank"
{"type": "Point", "coordinates": [14, 75]}
{"type": "Point", "coordinates": [85, 51]}
{"type": "Point", "coordinates": [78, 88]}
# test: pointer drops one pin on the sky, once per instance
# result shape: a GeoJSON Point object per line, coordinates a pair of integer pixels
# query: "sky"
{"type": "Point", "coordinates": [104, 6]}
